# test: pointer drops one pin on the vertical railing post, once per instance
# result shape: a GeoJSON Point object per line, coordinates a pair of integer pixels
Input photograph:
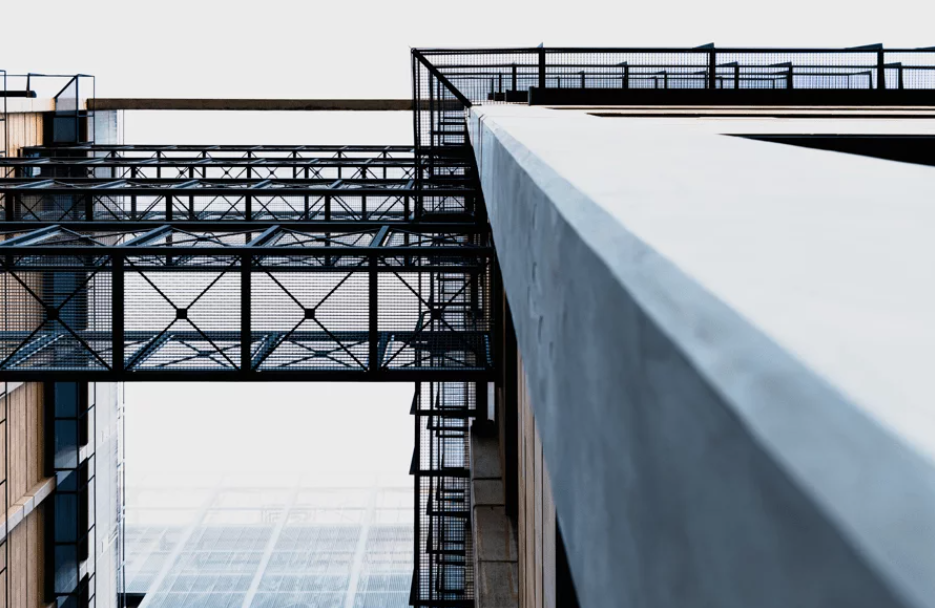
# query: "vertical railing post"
{"type": "Point", "coordinates": [418, 553]}
{"type": "Point", "coordinates": [712, 70]}
{"type": "Point", "coordinates": [118, 299]}
{"type": "Point", "coordinates": [373, 341]}
{"type": "Point", "coordinates": [881, 70]}
{"type": "Point", "coordinates": [737, 76]}
{"type": "Point", "coordinates": [790, 82]}
{"type": "Point", "coordinates": [305, 215]}
{"type": "Point", "coordinates": [541, 68]}
{"type": "Point", "coordinates": [246, 327]}
{"type": "Point", "coordinates": [626, 75]}
{"type": "Point", "coordinates": [514, 77]}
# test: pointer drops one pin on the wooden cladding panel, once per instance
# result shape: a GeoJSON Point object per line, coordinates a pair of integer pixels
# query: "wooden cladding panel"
{"type": "Point", "coordinates": [25, 129]}
{"type": "Point", "coordinates": [26, 568]}
{"type": "Point", "coordinates": [536, 521]}
{"type": "Point", "coordinates": [25, 411]}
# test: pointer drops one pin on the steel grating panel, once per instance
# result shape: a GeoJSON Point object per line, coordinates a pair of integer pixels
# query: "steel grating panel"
{"type": "Point", "coordinates": [443, 573]}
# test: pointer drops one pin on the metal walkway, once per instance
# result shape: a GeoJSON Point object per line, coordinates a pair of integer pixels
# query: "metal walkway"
{"type": "Point", "coordinates": [345, 269]}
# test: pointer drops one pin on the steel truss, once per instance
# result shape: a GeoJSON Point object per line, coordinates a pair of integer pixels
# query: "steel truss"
{"type": "Point", "coordinates": [347, 268]}
{"type": "Point", "coordinates": [265, 162]}
{"type": "Point", "coordinates": [236, 183]}
{"type": "Point", "coordinates": [191, 167]}
{"type": "Point", "coordinates": [378, 303]}
{"type": "Point", "coordinates": [55, 200]}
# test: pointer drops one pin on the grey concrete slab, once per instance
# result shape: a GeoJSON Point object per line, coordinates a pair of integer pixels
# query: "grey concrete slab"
{"type": "Point", "coordinates": [488, 492]}
{"type": "Point", "coordinates": [485, 456]}
{"type": "Point", "coordinates": [497, 585]}
{"type": "Point", "coordinates": [726, 343]}
{"type": "Point", "coordinates": [495, 538]}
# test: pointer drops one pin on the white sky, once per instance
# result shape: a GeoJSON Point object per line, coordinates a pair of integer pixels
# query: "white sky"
{"type": "Point", "coordinates": [335, 49]}
{"type": "Point", "coordinates": [274, 429]}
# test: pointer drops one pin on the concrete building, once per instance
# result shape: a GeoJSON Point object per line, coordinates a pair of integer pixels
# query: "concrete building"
{"type": "Point", "coordinates": [667, 313]}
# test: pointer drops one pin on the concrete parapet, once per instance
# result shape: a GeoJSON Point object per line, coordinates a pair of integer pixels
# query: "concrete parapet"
{"type": "Point", "coordinates": [724, 342]}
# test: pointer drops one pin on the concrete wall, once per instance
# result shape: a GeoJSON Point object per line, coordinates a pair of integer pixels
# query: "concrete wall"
{"type": "Point", "coordinates": [714, 382]}
{"type": "Point", "coordinates": [108, 406]}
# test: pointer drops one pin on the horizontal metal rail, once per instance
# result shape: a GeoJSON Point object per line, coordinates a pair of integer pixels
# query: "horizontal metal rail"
{"type": "Point", "coordinates": [246, 148]}
{"type": "Point", "coordinates": [181, 186]}
{"type": "Point", "coordinates": [209, 161]}
{"type": "Point", "coordinates": [7, 229]}
{"type": "Point", "coordinates": [707, 48]}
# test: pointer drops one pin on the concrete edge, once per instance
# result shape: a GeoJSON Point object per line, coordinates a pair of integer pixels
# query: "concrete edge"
{"type": "Point", "coordinates": [819, 438]}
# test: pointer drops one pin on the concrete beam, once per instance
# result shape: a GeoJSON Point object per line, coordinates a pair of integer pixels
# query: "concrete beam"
{"type": "Point", "coordinates": [727, 347]}
{"type": "Point", "coordinates": [277, 105]}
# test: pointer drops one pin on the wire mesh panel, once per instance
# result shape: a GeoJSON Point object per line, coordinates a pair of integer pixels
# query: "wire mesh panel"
{"type": "Point", "coordinates": [443, 573]}
{"type": "Point", "coordinates": [55, 316]}
{"type": "Point", "coordinates": [178, 300]}
{"type": "Point", "coordinates": [182, 322]}
{"type": "Point", "coordinates": [311, 320]}
{"type": "Point", "coordinates": [440, 133]}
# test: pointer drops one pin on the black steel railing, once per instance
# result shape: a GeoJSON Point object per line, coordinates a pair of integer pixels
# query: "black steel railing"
{"type": "Point", "coordinates": [446, 81]}
{"type": "Point", "coordinates": [480, 75]}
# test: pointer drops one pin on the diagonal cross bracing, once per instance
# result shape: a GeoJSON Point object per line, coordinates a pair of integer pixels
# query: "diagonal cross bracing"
{"type": "Point", "coordinates": [242, 262]}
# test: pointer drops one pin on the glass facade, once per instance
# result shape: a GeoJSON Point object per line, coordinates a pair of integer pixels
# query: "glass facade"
{"type": "Point", "coordinates": [229, 541]}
